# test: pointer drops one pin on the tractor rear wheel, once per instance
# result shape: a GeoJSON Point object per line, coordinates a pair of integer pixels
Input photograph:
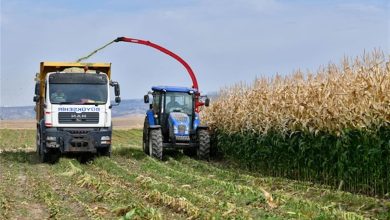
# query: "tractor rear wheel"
{"type": "Point", "coordinates": [155, 144]}
{"type": "Point", "coordinates": [145, 137]}
{"type": "Point", "coordinates": [203, 151]}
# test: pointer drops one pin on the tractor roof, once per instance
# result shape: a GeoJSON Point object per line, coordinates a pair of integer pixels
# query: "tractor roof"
{"type": "Point", "coordinates": [172, 89]}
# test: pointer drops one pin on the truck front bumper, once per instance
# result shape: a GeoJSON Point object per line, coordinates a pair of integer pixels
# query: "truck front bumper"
{"type": "Point", "coordinates": [78, 139]}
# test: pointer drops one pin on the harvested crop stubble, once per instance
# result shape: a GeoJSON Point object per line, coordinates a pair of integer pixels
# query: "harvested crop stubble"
{"type": "Point", "coordinates": [331, 127]}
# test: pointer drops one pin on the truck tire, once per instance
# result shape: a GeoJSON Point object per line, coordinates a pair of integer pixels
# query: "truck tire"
{"type": "Point", "coordinates": [155, 144]}
{"type": "Point", "coordinates": [85, 157]}
{"type": "Point", "coordinates": [104, 152]}
{"type": "Point", "coordinates": [203, 151]}
{"type": "Point", "coordinates": [45, 155]}
{"type": "Point", "coordinates": [145, 137]}
{"type": "Point", "coordinates": [38, 142]}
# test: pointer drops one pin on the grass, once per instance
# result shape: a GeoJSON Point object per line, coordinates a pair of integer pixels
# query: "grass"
{"type": "Point", "coordinates": [130, 185]}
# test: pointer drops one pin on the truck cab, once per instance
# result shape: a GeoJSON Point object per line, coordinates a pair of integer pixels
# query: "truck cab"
{"type": "Point", "coordinates": [73, 109]}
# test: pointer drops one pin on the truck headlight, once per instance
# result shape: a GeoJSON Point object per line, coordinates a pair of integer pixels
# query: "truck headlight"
{"type": "Point", "coordinates": [105, 138]}
{"type": "Point", "coordinates": [51, 138]}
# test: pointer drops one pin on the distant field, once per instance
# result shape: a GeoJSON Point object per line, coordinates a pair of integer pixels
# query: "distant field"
{"type": "Point", "coordinates": [131, 185]}
{"type": "Point", "coordinates": [128, 122]}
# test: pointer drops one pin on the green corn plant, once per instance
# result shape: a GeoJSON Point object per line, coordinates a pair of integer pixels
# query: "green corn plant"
{"type": "Point", "coordinates": [330, 127]}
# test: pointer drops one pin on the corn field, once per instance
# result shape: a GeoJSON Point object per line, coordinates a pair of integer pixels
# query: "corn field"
{"type": "Point", "coordinates": [330, 127]}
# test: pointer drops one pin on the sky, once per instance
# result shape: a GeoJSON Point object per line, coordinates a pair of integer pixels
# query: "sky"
{"type": "Point", "coordinates": [224, 41]}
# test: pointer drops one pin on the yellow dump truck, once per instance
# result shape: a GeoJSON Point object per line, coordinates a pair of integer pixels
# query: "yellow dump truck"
{"type": "Point", "coordinates": [73, 109]}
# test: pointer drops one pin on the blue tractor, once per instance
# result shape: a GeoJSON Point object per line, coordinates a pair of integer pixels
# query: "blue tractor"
{"type": "Point", "coordinates": [172, 122]}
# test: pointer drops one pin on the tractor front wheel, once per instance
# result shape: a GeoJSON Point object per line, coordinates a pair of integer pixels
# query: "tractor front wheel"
{"type": "Point", "coordinates": [203, 151]}
{"type": "Point", "coordinates": [155, 144]}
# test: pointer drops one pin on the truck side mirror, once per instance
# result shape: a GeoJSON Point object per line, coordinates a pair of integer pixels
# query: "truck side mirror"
{"type": "Point", "coordinates": [37, 88]}
{"type": "Point", "coordinates": [146, 98]}
{"type": "Point", "coordinates": [118, 99]}
{"type": "Point", "coordinates": [207, 102]}
{"type": "Point", "coordinates": [117, 90]}
{"type": "Point", "coordinates": [36, 98]}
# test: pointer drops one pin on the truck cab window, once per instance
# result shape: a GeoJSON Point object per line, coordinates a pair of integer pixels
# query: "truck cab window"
{"type": "Point", "coordinates": [78, 93]}
{"type": "Point", "coordinates": [58, 96]}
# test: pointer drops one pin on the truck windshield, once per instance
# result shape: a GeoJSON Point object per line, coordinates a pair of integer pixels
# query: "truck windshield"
{"type": "Point", "coordinates": [178, 102]}
{"type": "Point", "coordinates": [79, 94]}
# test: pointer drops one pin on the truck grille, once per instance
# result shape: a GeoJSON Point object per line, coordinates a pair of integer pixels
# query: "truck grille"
{"type": "Point", "coordinates": [78, 118]}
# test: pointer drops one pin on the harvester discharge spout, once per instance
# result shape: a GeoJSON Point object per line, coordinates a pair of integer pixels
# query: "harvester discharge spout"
{"type": "Point", "coordinates": [195, 86]}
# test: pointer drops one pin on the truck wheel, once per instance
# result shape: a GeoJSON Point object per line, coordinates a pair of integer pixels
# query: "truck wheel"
{"type": "Point", "coordinates": [145, 137]}
{"type": "Point", "coordinates": [86, 157]}
{"type": "Point", "coordinates": [38, 143]}
{"type": "Point", "coordinates": [155, 144]}
{"type": "Point", "coordinates": [105, 151]}
{"type": "Point", "coordinates": [43, 156]}
{"type": "Point", "coordinates": [46, 155]}
{"type": "Point", "coordinates": [203, 151]}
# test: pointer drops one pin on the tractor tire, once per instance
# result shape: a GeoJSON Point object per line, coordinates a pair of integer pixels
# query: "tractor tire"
{"type": "Point", "coordinates": [203, 151]}
{"type": "Point", "coordinates": [45, 155]}
{"type": "Point", "coordinates": [145, 137]}
{"type": "Point", "coordinates": [155, 144]}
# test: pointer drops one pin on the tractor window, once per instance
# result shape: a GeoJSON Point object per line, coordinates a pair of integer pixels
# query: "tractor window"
{"type": "Point", "coordinates": [178, 102]}
{"type": "Point", "coordinates": [156, 102]}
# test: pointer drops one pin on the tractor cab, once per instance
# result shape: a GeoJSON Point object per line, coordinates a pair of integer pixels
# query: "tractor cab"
{"type": "Point", "coordinates": [174, 107]}
{"type": "Point", "coordinates": [172, 112]}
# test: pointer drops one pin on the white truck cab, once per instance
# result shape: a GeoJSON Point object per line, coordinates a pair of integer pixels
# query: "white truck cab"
{"type": "Point", "coordinates": [73, 109]}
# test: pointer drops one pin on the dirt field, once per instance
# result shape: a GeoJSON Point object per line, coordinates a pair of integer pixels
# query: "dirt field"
{"type": "Point", "coordinates": [129, 122]}
{"type": "Point", "coordinates": [131, 185]}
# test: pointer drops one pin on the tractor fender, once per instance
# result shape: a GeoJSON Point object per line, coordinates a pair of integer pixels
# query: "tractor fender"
{"type": "Point", "coordinates": [202, 127]}
{"type": "Point", "coordinates": [154, 127]}
{"type": "Point", "coordinates": [150, 117]}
